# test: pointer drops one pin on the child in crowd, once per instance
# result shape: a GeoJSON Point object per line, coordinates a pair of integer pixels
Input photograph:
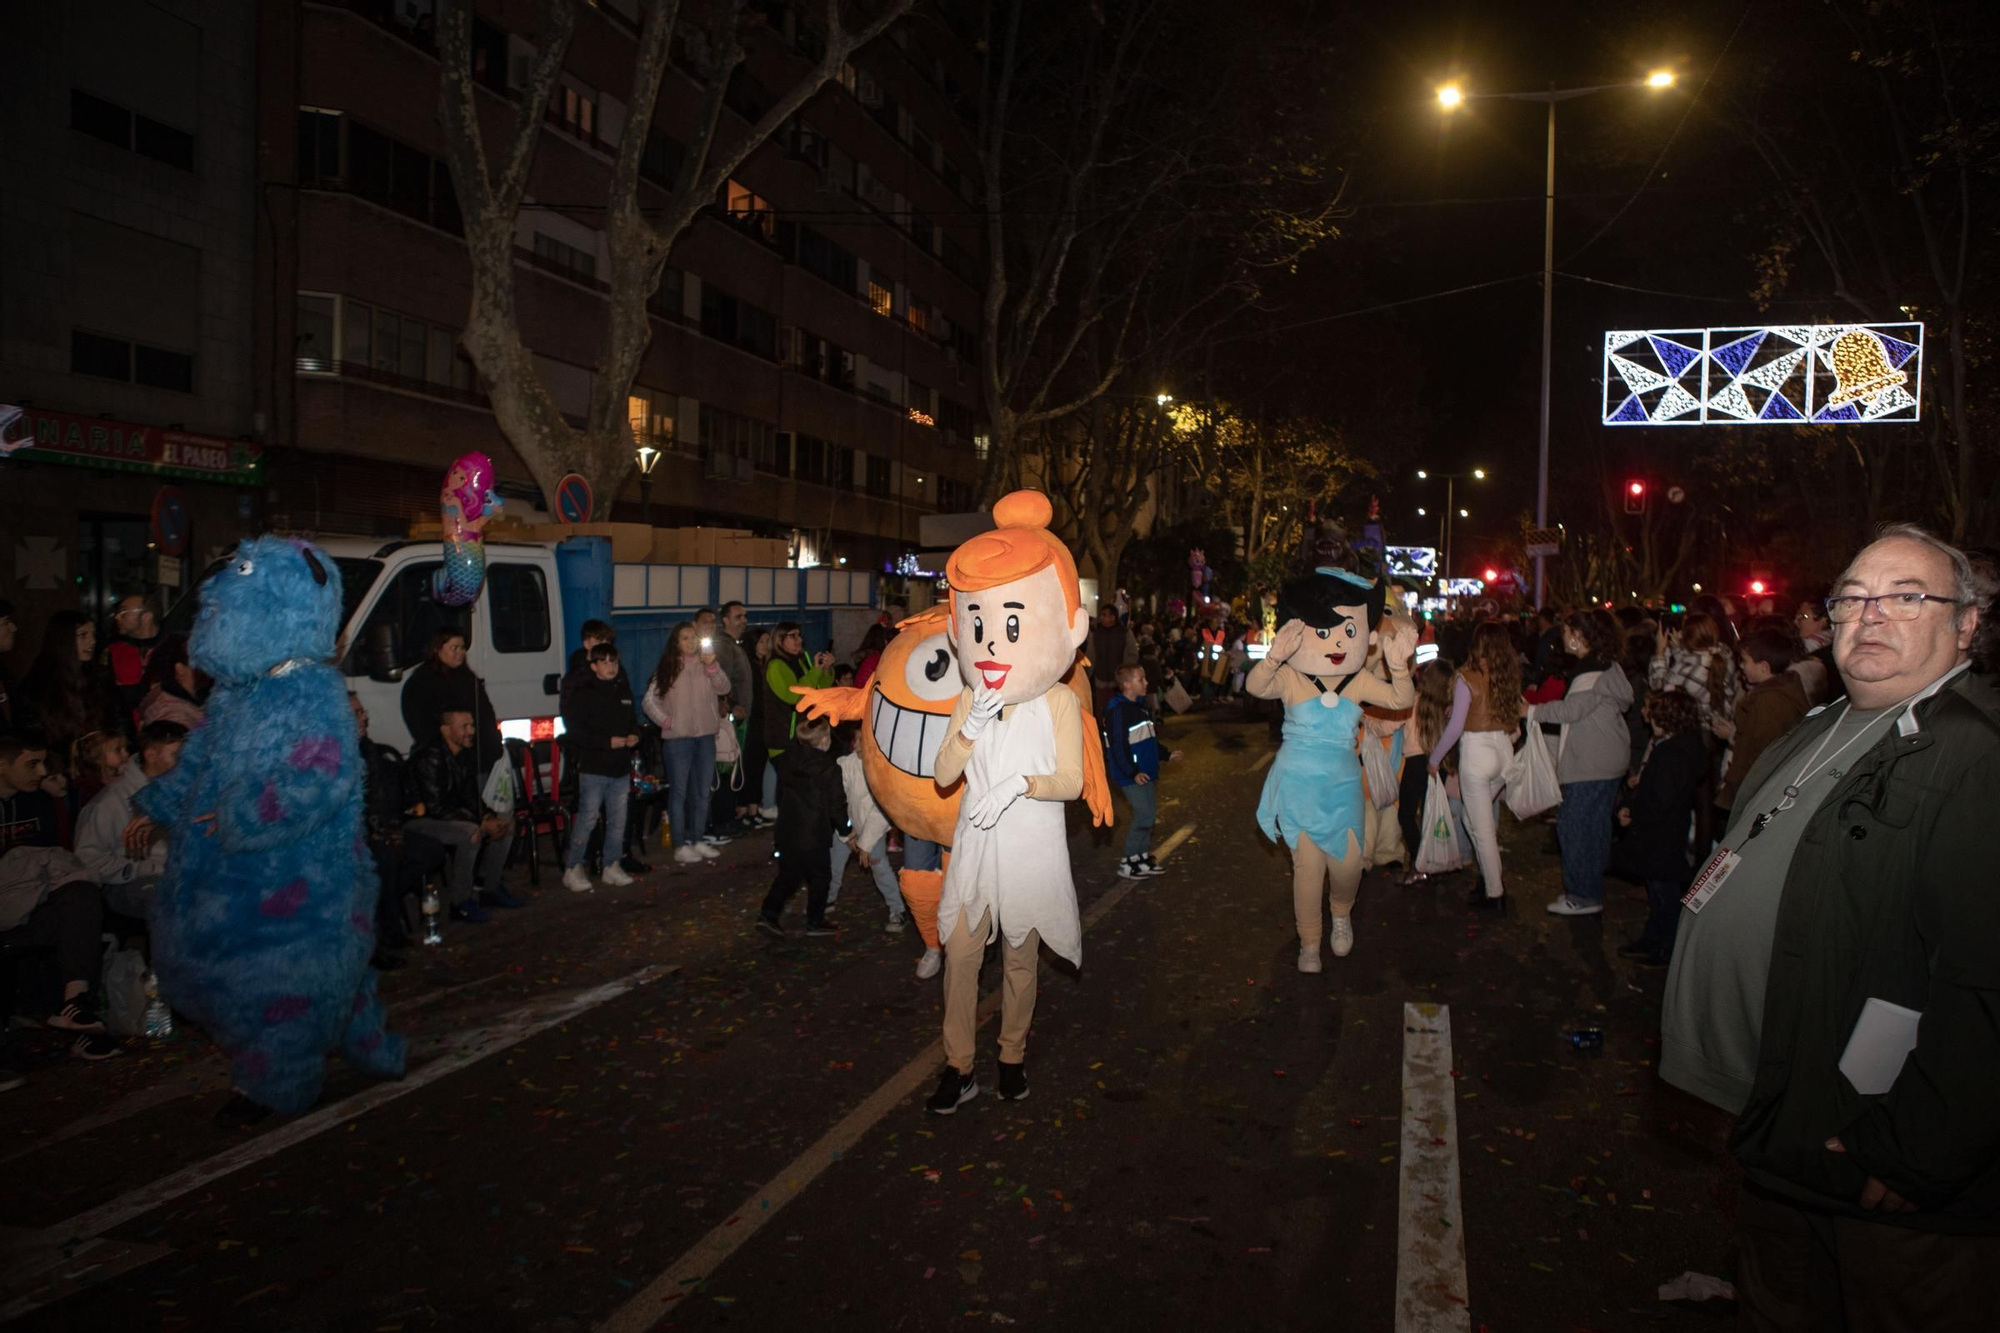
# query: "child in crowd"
{"type": "Point", "coordinates": [100, 760]}
{"type": "Point", "coordinates": [1132, 758]}
{"type": "Point", "coordinates": [843, 676]}
{"type": "Point", "coordinates": [869, 840]}
{"type": "Point", "coordinates": [812, 803]}
{"type": "Point", "coordinates": [1656, 818]}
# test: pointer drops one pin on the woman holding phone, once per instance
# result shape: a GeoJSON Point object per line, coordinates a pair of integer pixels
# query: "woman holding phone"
{"type": "Point", "coordinates": [685, 699]}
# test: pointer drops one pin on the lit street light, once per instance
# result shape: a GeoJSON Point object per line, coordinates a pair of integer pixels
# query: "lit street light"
{"type": "Point", "coordinates": [1450, 97]}
{"type": "Point", "coordinates": [648, 458]}
{"type": "Point", "coordinates": [1451, 480]}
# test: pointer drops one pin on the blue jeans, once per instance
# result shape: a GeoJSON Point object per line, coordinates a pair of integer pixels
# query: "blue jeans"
{"type": "Point", "coordinates": [884, 873]}
{"type": "Point", "coordinates": [1583, 826]}
{"type": "Point", "coordinates": [690, 774]}
{"type": "Point", "coordinates": [595, 794]}
{"type": "Point", "coordinates": [921, 854]}
{"type": "Point", "coordinates": [1145, 803]}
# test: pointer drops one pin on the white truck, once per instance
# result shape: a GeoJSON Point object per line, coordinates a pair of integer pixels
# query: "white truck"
{"type": "Point", "coordinates": [531, 610]}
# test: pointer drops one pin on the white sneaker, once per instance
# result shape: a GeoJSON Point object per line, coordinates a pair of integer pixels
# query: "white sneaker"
{"type": "Point", "coordinates": [707, 852]}
{"type": "Point", "coordinates": [1568, 906]}
{"type": "Point", "coordinates": [577, 880]}
{"type": "Point", "coordinates": [615, 874]}
{"type": "Point", "coordinates": [687, 856]}
{"type": "Point", "coordinates": [894, 925]}
{"type": "Point", "coordinates": [1343, 936]}
{"type": "Point", "coordinates": [930, 964]}
{"type": "Point", "coordinates": [769, 812]}
{"type": "Point", "coordinates": [1309, 960]}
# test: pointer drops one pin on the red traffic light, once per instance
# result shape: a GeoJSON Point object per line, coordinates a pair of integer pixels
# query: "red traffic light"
{"type": "Point", "coordinates": [1492, 576]}
{"type": "Point", "coordinates": [1637, 488]}
{"type": "Point", "coordinates": [1757, 586]}
{"type": "Point", "coordinates": [1635, 497]}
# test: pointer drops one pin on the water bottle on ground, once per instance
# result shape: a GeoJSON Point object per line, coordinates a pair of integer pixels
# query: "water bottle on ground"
{"type": "Point", "coordinates": [431, 912]}
{"type": "Point", "coordinates": [159, 1020]}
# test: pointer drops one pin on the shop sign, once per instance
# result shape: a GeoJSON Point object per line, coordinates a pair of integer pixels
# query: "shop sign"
{"type": "Point", "coordinates": [126, 446]}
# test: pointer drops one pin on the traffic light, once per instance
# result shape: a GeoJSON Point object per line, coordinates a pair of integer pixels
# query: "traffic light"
{"type": "Point", "coordinates": [1635, 497]}
{"type": "Point", "coordinates": [1492, 577]}
{"type": "Point", "coordinates": [1758, 587]}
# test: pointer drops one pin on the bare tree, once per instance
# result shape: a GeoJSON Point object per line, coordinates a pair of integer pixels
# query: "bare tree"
{"type": "Point", "coordinates": [1125, 221]}
{"type": "Point", "coordinates": [491, 188]}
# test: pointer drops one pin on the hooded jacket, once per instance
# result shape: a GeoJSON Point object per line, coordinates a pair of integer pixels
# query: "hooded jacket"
{"type": "Point", "coordinates": [594, 712]}
{"type": "Point", "coordinates": [812, 803]}
{"type": "Point", "coordinates": [1763, 714]}
{"type": "Point", "coordinates": [1595, 745]}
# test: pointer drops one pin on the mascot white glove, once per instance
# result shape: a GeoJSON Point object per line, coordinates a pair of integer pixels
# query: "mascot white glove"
{"type": "Point", "coordinates": [986, 811]}
{"type": "Point", "coordinates": [986, 705]}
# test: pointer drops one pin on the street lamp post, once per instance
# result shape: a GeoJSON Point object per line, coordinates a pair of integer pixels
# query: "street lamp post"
{"type": "Point", "coordinates": [1451, 509]}
{"type": "Point", "coordinates": [1450, 97]}
{"type": "Point", "coordinates": [649, 458]}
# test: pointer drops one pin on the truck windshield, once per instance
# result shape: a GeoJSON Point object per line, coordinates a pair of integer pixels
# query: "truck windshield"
{"type": "Point", "coordinates": [357, 576]}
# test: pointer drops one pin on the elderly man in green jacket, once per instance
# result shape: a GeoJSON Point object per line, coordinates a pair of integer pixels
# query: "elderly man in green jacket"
{"type": "Point", "coordinates": [1837, 979]}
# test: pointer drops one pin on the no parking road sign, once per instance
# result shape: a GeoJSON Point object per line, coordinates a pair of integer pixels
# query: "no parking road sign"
{"type": "Point", "coordinates": [573, 499]}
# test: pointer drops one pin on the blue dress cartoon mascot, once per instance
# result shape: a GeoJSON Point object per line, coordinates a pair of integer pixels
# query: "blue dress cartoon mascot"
{"type": "Point", "coordinates": [264, 919]}
{"type": "Point", "coordinates": [1313, 796]}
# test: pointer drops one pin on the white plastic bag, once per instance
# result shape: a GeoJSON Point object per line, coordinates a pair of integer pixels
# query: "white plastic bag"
{"type": "Point", "coordinates": [1383, 787]}
{"type": "Point", "coordinates": [1437, 847]}
{"type": "Point", "coordinates": [1531, 778]}
{"type": "Point", "coordinates": [498, 793]}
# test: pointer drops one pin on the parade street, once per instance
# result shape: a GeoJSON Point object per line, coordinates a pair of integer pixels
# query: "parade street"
{"type": "Point", "coordinates": [629, 1109]}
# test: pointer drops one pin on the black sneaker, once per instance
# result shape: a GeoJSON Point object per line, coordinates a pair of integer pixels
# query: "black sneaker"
{"type": "Point", "coordinates": [76, 1016]}
{"type": "Point", "coordinates": [770, 927]}
{"type": "Point", "coordinates": [953, 1091]}
{"type": "Point", "coordinates": [501, 898]}
{"type": "Point", "coordinates": [386, 960]}
{"type": "Point", "coordinates": [821, 930]}
{"type": "Point", "coordinates": [1013, 1082]}
{"type": "Point", "coordinates": [95, 1046]}
{"type": "Point", "coordinates": [718, 839]}
{"type": "Point", "coordinates": [632, 865]}
{"type": "Point", "coordinates": [471, 912]}
{"type": "Point", "coordinates": [1148, 866]}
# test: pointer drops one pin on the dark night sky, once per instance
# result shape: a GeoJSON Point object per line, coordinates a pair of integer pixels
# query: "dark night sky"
{"type": "Point", "coordinates": [1441, 202]}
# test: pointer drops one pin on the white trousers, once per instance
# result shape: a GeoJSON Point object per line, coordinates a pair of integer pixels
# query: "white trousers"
{"type": "Point", "coordinates": [1483, 757]}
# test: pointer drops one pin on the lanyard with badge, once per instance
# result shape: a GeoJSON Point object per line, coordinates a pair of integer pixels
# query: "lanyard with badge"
{"type": "Point", "coordinates": [1723, 864]}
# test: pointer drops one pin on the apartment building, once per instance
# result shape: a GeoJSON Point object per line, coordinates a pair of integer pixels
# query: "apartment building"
{"type": "Point", "coordinates": [812, 368]}
{"type": "Point", "coordinates": [127, 289]}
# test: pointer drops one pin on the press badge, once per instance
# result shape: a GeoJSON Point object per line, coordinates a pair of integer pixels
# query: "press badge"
{"type": "Point", "coordinates": [1719, 868]}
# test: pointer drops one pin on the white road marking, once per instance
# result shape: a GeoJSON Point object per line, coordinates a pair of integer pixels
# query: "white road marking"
{"type": "Point", "coordinates": [207, 1074]}
{"type": "Point", "coordinates": [662, 1296]}
{"type": "Point", "coordinates": [1431, 1291]}
{"type": "Point", "coordinates": [456, 1051]}
{"type": "Point", "coordinates": [1173, 842]}
{"type": "Point", "coordinates": [1263, 759]}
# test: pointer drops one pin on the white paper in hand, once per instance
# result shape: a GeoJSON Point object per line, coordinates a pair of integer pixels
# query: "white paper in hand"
{"type": "Point", "coordinates": [1883, 1038]}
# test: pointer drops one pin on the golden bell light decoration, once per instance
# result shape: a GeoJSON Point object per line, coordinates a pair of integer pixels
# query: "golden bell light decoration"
{"type": "Point", "coordinates": [1861, 368]}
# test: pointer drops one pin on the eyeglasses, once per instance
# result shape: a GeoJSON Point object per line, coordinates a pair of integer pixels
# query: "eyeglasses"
{"type": "Point", "coordinates": [1893, 605]}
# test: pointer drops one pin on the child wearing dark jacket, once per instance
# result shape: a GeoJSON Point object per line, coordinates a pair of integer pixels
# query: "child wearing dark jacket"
{"type": "Point", "coordinates": [812, 811]}
{"type": "Point", "coordinates": [1657, 817]}
{"type": "Point", "coordinates": [1132, 759]}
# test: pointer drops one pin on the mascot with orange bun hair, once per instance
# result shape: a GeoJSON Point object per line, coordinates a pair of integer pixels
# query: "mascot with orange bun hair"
{"type": "Point", "coordinates": [1017, 737]}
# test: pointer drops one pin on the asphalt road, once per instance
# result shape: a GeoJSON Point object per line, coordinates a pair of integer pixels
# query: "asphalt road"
{"type": "Point", "coordinates": [1212, 1139]}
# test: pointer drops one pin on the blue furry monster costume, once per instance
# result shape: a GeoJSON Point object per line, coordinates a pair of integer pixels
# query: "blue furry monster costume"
{"type": "Point", "coordinates": [264, 920]}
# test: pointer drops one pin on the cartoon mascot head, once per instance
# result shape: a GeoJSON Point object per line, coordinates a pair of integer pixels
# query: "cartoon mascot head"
{"type": "Point", "coordinates": [1339, 610]}
{"type": "Point", "coordinates": [910, 698]}
{"type": "Point", "coordinates": [277, 601]}
{"type": "Point", "coordinates": [1017, 616]}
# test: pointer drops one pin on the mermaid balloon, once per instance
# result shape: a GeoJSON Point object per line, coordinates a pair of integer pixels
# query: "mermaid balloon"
{"type": "Point", "coordinates": [466, 502]}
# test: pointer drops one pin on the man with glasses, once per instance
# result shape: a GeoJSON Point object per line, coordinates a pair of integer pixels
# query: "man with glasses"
{"type": "Point", "coordinates": [789, 671]}
{"type": "Point", "coordinates": [1837, 979]}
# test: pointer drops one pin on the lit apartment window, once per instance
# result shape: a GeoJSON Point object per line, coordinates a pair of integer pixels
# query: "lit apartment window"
{"type": "Point", "coordinates": [577, 108]}
{"type": "Point", "coordinates": [651, 423]}
{"type": "Point", "coordinates": [751, 210]}
{"type": "Point", "coordinates": [881, 300]}
{"type": "Point", "coordinates": [982, 444]}
{"type": "Point", "coordinates": [919, 312]}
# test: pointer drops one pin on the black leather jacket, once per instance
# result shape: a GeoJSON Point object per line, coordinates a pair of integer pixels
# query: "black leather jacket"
{"type": "Point", "coordinates": [445, 784]}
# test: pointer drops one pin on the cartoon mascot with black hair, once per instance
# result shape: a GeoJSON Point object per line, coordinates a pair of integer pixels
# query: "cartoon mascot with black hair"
{"type": "Point", "coordinates": [1313, 795]}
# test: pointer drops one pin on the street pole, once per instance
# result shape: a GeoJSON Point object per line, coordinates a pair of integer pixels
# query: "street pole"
{"type": "Point", "coordinates": [1548, 330]}
{"type": "Point", "coordinates": [1450, 512]}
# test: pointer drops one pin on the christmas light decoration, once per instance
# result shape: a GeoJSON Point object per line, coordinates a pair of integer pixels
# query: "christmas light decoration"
{"type": "Point", "coordinates": [1858, 373]}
